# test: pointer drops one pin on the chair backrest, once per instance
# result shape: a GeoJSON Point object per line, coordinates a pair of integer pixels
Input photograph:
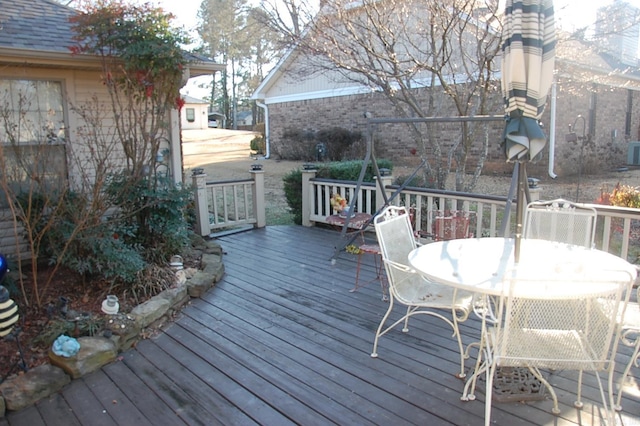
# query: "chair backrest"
{"type": "Point", "coordinates": [562, 221]}
{"type": "Point", "coordinates": [396, 239]}
{"type": "Point", "coordinates": [576, 330]}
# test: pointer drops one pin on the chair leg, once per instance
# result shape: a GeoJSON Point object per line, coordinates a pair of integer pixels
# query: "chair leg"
{"type": "Point", "coordinates": [633, 360]}
{"type": "Point", "coordinates": [578, 402]}
{"type": "Point", "coordinates": [379, 267]}
{"type": "Point", "coordinates": [555, 410]}
{"type": "Point", "coordinates": [461, 351]}
{"type": "Point", "coordinates": [379, 331]}
{"type": "Point", "coordinates": [357, 273]}
{"type": "Point", "coordinates": [405, 329]}
{"type": "Point", "coordinates": [379, 263]}
{"type": "Point", "coordinates": [489, 395]}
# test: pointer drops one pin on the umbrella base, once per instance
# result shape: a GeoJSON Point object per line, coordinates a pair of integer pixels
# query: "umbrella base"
{"type": "Point", "coordinates": [516, 384]}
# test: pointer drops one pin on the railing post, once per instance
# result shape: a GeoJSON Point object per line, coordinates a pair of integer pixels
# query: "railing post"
{"type": "Point", "coordinates": [307, 194]}
{"type": "Point", "coordinates": [199, 182]}
{"type": "Point", "coordinates": [385, 180]}
{"type": "Point", "coordinates": [258, 197]}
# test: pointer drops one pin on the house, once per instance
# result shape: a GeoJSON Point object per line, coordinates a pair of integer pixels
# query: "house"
{"type": "Point", "coordinates": [244, 119]}
{"type": "Point", "coordinates": [35, 58]}
{"type": "Point", "coordinates": [592, 90]}
{"type": "Point", "coordinates": [193, 114]}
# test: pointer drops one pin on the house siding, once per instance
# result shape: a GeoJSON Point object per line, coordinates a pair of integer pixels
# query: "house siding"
{"type": "Point", "coordinates": [80, 88]}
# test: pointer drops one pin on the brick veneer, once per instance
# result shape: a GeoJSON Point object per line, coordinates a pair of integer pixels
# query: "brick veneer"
{"type": "Point", "coordinates": [607, 149]}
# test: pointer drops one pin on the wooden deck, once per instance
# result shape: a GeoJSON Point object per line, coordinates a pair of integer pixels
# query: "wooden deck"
{"type": "Point", "coordinates": [281, 340]}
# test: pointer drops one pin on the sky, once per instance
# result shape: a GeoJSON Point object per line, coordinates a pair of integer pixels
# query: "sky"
{"type": "Point", "coordinates": [570, 14]}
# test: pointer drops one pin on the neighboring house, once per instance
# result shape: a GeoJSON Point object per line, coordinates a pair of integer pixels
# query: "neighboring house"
{"type": "Point", "coordinates": [194, 113]}
{"type": "Point", "coordinates": [244, 118]}
{"type": "Point", "coordinates": [35, 36]}
{"type": "Point", "coordinates": [590, 88]}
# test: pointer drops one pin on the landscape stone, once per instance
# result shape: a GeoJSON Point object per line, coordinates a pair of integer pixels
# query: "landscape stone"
{"type": "Point", "coordinates": [176, 296]}
{"type": "Point", "coordinates": [24, 390]}
{"type": "Point", "coordinates": [94, 353]}
{"type": "Point", "coordinates": [121, 332]}
{"type": "Point", "coordinates": [124, 329]}
{"type": "Point", "coordinates": [151, 310]}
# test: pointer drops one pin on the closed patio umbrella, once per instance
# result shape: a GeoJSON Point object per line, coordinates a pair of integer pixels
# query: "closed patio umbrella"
{"type": "Point", "coordinates": [528, 53]}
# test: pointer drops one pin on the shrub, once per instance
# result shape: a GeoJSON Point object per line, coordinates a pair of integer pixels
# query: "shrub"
{"type": "Point", "coordinates": [155, 212]}
{"type": "Point", "coordinates": [302, 145]}
{"type": "Point", "coordinates": [293, 191]}
{"type": "Point", "coordinates": [258, 145]}
{"type": "Point", "coordinates": [297, 144]}
{"type": "Point", "coordinates": [625, 196]}
{"type": "Point", "coordinates": [337, 141]}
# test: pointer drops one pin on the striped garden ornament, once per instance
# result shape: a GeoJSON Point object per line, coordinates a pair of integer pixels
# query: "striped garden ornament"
{"type": "Point", "coordinates": [8, 312]}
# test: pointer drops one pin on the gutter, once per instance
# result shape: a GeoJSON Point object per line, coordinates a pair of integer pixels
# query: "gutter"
{"type": "Point", "coordinates": [266, 129]}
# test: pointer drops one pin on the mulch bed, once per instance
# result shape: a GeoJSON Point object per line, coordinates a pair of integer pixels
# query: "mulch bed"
{"type": "Point", "coordinates": [69, 306]}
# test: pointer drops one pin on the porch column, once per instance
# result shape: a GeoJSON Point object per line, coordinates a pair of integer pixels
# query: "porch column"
{"type": "Point", "coordinates": [175, 148]}
{"type": "Point", "coordinates": [307, 195]}
{"type": "Point", "coordinates": [257, 174]}
{"type": "Point", "coordinates": [199, 181]}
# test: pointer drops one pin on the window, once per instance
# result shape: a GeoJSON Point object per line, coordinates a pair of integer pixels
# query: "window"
{"type": "Point", "coordinates": [191, 114]}
{"type": "Point", "coordinates": [32, 134]}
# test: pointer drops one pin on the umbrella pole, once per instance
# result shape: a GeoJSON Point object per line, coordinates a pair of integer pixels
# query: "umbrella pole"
{"type": "Point", "coordinates": [522, 196]}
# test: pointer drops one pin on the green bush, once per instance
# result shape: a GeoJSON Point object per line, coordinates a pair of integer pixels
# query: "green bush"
{"type": "Point", "coordinates": [148, 223]}
{"type": "Point", "coordinates": [293, 191]}
{"type": "Point", "coordinates": [104, 253]}
{"type": "Point", "coordinates": [258, 145]}
{"type": "Point", "coordinates": [155, 212]}
{"type": "Point", "coordinates": [347, 170]}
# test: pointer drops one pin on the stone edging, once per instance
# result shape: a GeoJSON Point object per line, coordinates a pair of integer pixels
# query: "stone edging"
{"type": "Point", "coordinates": [24, 390]}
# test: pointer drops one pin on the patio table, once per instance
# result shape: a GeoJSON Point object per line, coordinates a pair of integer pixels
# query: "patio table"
{"type": "Point", "coordinates": [480, 265]}
{"type": "Point", "coordinates": [483, 266]}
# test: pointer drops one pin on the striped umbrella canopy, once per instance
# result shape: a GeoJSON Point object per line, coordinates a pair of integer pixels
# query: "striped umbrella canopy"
{"type": "Point", "coordinates": [528, 56]}
{"type": "Point", "coordinates": [528, 53]}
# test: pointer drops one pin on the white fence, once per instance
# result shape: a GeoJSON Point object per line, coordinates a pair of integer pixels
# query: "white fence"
{"type": "Point", "coordinates": [229, 204]}
{"type": "Point", "coordinates": [618, 229]}
{"type": "Point", "coordinates": [234, 203]}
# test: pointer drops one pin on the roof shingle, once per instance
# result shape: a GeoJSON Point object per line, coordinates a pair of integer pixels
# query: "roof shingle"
{"type": "Point", "coordinates": [35, 24]}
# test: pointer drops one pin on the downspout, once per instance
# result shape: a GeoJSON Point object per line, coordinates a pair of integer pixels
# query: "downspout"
{"type": "Point", "coordinates": [266, 129]}
{"type": "Point", "coordinates": [552, 132]}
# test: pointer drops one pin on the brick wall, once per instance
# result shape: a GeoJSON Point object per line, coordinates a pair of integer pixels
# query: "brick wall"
{"type": "Point", "coordinates": [606, 150]}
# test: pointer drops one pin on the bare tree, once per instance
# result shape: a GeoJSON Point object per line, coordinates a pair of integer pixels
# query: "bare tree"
{"type": "Point", "coordinates": [288, 17]}
{"type": "Point", "coordinates": [427, 58]}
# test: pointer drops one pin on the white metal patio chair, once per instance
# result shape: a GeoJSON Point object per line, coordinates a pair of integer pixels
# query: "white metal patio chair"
{"type": "Point", "coordinates": [581, 335]}
{"type": "Point", "coordinates": [630, 336]}
{"type": "Point", "coordinates": [561, 220]}
{"type": "Point", "coordinates": [407, 287]}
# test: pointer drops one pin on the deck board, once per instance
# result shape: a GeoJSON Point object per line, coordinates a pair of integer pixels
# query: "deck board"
{"type": "Point", "coordinates": [281, 340]}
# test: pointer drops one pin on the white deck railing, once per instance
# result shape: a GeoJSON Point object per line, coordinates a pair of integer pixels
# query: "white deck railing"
{"type": "Point", "coordinates": [234, 203]}
{"type": "Point", "coordinates": [230, 203]}
{"type": "Point", "coordinates": [618, 228]}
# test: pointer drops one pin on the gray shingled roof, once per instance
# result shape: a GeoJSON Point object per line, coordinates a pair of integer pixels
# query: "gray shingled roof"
{"type": "Point", "coordinates": [36, 25]}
